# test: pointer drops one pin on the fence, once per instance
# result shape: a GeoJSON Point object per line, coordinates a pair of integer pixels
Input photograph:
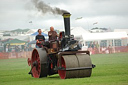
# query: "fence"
{"type": "Point", "coordinates": [107, 50]}
{"type": "Point", "coordinates": [4, 55]}
{"type": "Point", "coordinates": [101, 50]}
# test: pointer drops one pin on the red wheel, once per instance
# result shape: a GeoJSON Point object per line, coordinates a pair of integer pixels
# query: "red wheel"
{"type": "Point", "coordinates": [36, 70]}
{"type": "Point", "coordinates": [62, 73]}
{"type": "Point", "coordinates": [39, 58]}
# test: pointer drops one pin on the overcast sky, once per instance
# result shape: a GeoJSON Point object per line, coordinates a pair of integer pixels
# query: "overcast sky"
{"type": "Point", "coordinates": [112, 14]}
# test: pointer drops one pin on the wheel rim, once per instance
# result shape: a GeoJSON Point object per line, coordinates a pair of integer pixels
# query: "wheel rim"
{"type": "Point", "coordinates": [62, 73]}
{"type": "Point", "coordinates": [36, 69]}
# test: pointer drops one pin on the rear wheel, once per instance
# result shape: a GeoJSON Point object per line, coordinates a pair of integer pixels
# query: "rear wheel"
{"type": "Point", "coordinates": [39, 63]}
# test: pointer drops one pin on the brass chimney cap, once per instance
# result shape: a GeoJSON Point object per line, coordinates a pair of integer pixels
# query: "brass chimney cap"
{"type": "Point", "coordinates": [66, 15]}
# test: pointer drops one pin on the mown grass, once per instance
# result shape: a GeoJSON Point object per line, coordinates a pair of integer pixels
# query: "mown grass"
{"type": "Point", "coordinates": [111, 69]}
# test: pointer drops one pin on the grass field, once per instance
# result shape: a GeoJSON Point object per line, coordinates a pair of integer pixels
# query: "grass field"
{"type": "Point", "coordinates": [111, 69]}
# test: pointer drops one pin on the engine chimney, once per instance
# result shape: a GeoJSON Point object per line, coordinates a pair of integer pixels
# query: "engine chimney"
{"type": "Point", "coordinates": [67, 23]}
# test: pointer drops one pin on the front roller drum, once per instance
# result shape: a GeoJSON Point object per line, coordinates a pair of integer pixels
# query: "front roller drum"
{"type": "Point", "coordinates": [75, 62]}
{"type": "Point", "coordinates": [84, 60]}
{"type": "Point", "coordinates": [39, 63]}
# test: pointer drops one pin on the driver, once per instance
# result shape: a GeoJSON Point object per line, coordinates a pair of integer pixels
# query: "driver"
{"type": "Point", "coordinates": [39, 38]}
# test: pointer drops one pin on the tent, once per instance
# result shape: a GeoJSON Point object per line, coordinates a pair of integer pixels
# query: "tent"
{"type": "Point", "coordinates": [15, 42]}
{"type": "Point", "coordinates": [78, 31]}
{"type": "Point", "coordinates": [36, 33]}
{"type": "Point", "coordinates": [121, 30]}
{"type": "Point", "coordinates": [6, 40]}
{"type": "Point", "coordinates": [104, 36]}
{"type": "Point", "coordinates": [32, 42]}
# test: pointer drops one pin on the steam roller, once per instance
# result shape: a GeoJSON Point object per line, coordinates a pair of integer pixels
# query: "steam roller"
{"type": "Point", "coordinates": [63, 56]}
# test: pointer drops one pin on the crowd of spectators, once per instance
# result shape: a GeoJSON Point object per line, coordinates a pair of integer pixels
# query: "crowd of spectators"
{"type": "Point", "coordinates": [17, 48]}
{"type": "Point", "coordinates": [95, 48]}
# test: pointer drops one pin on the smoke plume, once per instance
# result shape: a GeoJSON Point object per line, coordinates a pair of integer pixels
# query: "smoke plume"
{"type": "Point", "coordinates": [44, 8]}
